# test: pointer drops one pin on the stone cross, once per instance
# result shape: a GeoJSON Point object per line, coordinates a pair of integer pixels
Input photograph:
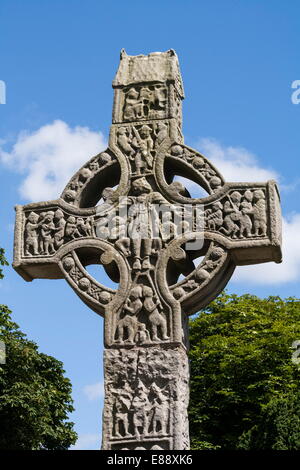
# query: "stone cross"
{"type": "Point", "coordinates": [128, 209]}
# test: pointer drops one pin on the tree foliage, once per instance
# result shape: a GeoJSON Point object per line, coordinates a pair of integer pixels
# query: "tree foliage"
{"type": "Point", "coordinates": [35, 397]}
{"type": "Point", "coordinates": [244, 384]}
{"type": "Point", "coordinates": [3, 262]}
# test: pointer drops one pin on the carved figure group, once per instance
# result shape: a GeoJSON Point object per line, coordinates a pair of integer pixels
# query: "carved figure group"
{"type": "Point", "coordinates": [139, 144]}
{"type": "Point", "coordinates": [243, 215]}
{"type": "Point", "coordinates": [45, 232]}
{"type": "Point", "coordinates": [140, 411]}
{"type": "Point", "coordinates": [130, 329]}
{"type": "Point", "coordinates": [147, 102]}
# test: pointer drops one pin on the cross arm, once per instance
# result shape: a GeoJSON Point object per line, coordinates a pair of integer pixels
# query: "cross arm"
{"type": "Point", "coordinates": [41, 230]}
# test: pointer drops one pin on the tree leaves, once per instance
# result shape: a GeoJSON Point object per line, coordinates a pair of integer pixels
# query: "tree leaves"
{"type": "Point", "coordinates": [240, 363]}
{"type": "Point", "coordinates": [35, 397]}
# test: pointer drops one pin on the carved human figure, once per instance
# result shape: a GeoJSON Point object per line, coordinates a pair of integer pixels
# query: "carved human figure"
{"type": "Point", "coordinates": [47, 233]}
{"type": "Point", "coordinates": [207, 171]}
{"type": "Point", "coordinates": [122, 405]}
{"type": "Point", "coordinates": [144, 223]}
{"type": "Point", "coordinates": [141, 407]}
{"type": "Point", "coordinates": [143, 144]}
{"type": "Point", "coordinates": [246, 208]}
{"type": "Point", "coordinates": [215, 183]}
{"type": "Point", "coordinates": [168, 230]}
{"type": "Point", "coordinates": [160, 100]}
{"type": "Point", "coordinates": [161, 133]}
{"type": "Point", "coordinates": [142, 336]}
{"type": "Point", "coordinates": [108, 196]}
{"type": "Point", "coordinates": [118, 234]}
{"type": "Point", "coordinates": [155, 318]}
{"type": "Point", "coordinates": [146, 100]}
{"type": "Point", "coordinates": [215, 216]}
{"type": "Point", "coordinates": [233, 214]}
{"type": "Point", "coordinates": [88, 227]}
{"type": "Point", "coordinates": [41, 241]}
{"type": "Point", "coordinates": [60, 225]}
{"type": "Point", "coordinates": [31, 234]}
{"type": "Point", "coordinates": [128, 324]}
{"type": "Point", "coordinates": [80, 227]}
{"type": "Point", "coordinates": [132, 104]}
{"type": "Point", "coordinates": [160, 411]}
{"type": "Point", "coordinates": [140, 232]}
{"type": "Point", "coordinates": [259, 213]}
{"type": "Point", "coordinates": [94, 166]}
{"type": "Point", "coordinates": [123, 141]}
{"type": "Point", "coordinates": [71, 227]}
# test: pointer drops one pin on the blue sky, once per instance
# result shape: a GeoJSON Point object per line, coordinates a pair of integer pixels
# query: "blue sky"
{"type": "Point", "coordinates": [58, 58]}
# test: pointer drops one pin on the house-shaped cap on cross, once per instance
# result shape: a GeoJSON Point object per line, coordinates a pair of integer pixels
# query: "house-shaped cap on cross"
{"type": "Point", "coordinates": [127, 210]}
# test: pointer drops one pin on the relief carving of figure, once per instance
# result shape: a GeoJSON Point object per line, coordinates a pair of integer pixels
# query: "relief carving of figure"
{"type": "Point", "coordinates": [47, 233]}
{"type": "Point", "coordinates": [71, 228]}
{"type": "Point", "coordinates": [141, 407]}
{"type": "Point", "coordinates": [128, 325]}
{"type": "Point", "coordinates": [246, 210]}
{"type": "Point", "coordinates": [233, 215]}
{"type": "Point", "coordinates": [60, 224]}
{"type": "Point", "coordinates": [31, 234]}
{"type": "Point", "coordinates": [122, 405]}
{"type": "Point", "coordinates": [143, 145]}
{"type": "Point", "coordinates": [155, 318]}
{"type": "Point", "coordinates": [123, 141]}
{"type": "Point", "coordinates": [142, 336]}
{"type": "Point", "coordinates": [161, 133]}
{"type": "Point", "coordinates": [215, 216]}
{"type": "Point", "coordinates": [132, 108]}
{"type": "Point", "coordinates": [160, 411]}
{"type": "Point", "coordinates": [143, 221]}
{"type": "Point", "coordinates": [259, 213]}
{"type": "Point", "coordinates": [145, 103]}
{"type": "Point", "coordinates": [159, 102]}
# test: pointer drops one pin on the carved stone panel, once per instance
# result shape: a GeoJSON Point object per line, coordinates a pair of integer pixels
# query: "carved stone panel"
{"type": "Point", "coordinates": [146, 392]}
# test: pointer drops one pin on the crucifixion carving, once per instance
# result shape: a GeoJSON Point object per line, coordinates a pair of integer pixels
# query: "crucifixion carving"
{"type": "Point", "coordinates": [170, 254]}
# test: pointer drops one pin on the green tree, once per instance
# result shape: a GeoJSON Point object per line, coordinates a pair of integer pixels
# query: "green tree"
{"type": "Point", "coordinates": [244, 384]}
{"type": "Point", "coordinates": [35, 397]}
{"type": "Point", "coordinates": [3, 262]}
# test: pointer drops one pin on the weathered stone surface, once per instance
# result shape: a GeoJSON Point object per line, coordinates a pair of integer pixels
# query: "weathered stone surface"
{"type": "Point", "coordinates": [146, 397]}
{"type": "Point", "coordinates": [147, 232]}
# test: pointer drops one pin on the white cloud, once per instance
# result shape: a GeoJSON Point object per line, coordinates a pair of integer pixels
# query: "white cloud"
{"type": "Point", "coordinates": [271, 273]}
{"type": "Point", "coordinates": [87, 442]}
{"type": "Point", "coordinates": [235, 163]}
{"type": "Point", "coordinates": [94, 391]}
{"type": "Point", "coordinates": [49, 156]}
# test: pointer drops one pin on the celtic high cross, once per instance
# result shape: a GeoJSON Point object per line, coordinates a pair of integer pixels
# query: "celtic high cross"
{"type": "Point", "coordinates": [124, 209]}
